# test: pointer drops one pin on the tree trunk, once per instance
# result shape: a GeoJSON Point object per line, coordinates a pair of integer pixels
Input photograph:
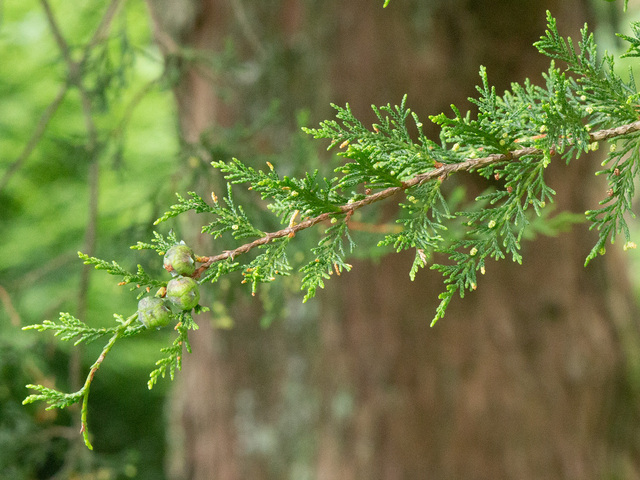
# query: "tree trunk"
{"type": "Point", "coordinates": [517, 381]}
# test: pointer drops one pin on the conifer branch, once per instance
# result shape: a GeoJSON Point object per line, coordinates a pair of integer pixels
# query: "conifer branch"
{"type": "Point", "coordinates": [57, 399]}
{"type": "Point", "coordinates": [441, 173]}
{"type": "Point", "coordinates": [386, 161]}
{"type": "Point", "coordinates": [63, 46]}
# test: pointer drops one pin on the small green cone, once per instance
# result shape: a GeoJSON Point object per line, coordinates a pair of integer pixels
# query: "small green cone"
{"type": "Point", "coordinates": [153, 313]}
{"type": "Point", "coordinates": [179, 260]}
{"type": "Point", "coordinates": [183, 292]}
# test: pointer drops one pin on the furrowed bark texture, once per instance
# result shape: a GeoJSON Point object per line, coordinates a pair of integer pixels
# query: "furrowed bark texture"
{"type": "Point", "coordinates": [521, 379]}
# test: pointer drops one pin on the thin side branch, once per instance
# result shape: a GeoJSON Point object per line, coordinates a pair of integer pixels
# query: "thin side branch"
{"type": "Point", "coordinates": [103, 28]}
{"type": "Point", "coordinates": [94, 368]}
{"type": "Point", "coordinates": [246, 28]}
{"type": "Point", "coordinates": [35, 136]}
{"type": "Point", "coordinates": [63, 46]}
{"type": "Point", "coordinates": [437, 173]}
{"type": "Point", "coordinates": [5, 298]}
{"type": "Point", "coordinates": [74, 69]}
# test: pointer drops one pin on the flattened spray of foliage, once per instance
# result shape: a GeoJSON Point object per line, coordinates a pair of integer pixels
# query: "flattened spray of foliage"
{"type": "Point", "coordinates": [512, 140]}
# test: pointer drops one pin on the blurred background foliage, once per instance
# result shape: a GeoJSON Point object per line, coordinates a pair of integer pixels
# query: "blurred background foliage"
{"type": "Point", "coordinates": [44, 218]}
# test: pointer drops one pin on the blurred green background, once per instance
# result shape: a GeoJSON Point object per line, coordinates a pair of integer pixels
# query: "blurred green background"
{"type": "Point", "coordinates": [45, 219]}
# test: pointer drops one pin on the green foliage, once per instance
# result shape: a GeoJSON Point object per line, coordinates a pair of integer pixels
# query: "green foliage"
{"type": "Point", "coordinates": [271, 262]}
{"type": "Point", "coordinates": [598, 91]}
{"type": "Point", "coordinates": [329, 257]}
{"type": "Point", "coordinates": [138, 279]}
{"type": "Point", "coordinates": [623, 167]}
{"type": "Point", "coordinates": [70, 327]}
{"type": "Point", "coordinates": [53, 397]}
{"type": "Point", "coordinates": [425, 211]}
{"type": "Point", "coordinates": [173, 358]}
{"type": "Point", "coordinates": [382, 157]}
{"type": "Point", "coordinates": [24, 451]}
{"type": "Point", "coordinates": [158, 243]}
{"type": "Point", "coordinates": [288, 195]}
{"type": "Point", "coordinates": [634, 42]}
{"type": "Point", "coordinates": [510, 142]}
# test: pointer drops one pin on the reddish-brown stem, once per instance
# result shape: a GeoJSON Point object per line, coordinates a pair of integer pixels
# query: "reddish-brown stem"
{"type": "Point", "coordinates": [441, 172]}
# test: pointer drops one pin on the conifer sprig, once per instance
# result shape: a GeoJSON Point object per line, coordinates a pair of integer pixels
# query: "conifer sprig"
{"type": "Point", "coordinates": [329, 258]}
{"type": "Point", "coordinates": [57, 399]}
{"type": "Point", "coordinates": [623, 168]}
{"type": "Point", "coordinates": [511, 141]}
{"type": "Point", "coordinates": [158, 243]}
{"type": "Point", "coordinates": [69, 327]}
{"type": "Point", "coordinates": [269, 264]}
{"type": "Point", "coordinates": [139, 279]}
{"type": "Point", "coordinates": [510, 162]}
{"type": "Point", "coordinates": [230, 218]}
{"type": "Point", "coordinates": [634, 41]}
{"type": "Point", "coordinates": [287, 195]}
{"type": "Point", "coordinates": [173, 358]}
